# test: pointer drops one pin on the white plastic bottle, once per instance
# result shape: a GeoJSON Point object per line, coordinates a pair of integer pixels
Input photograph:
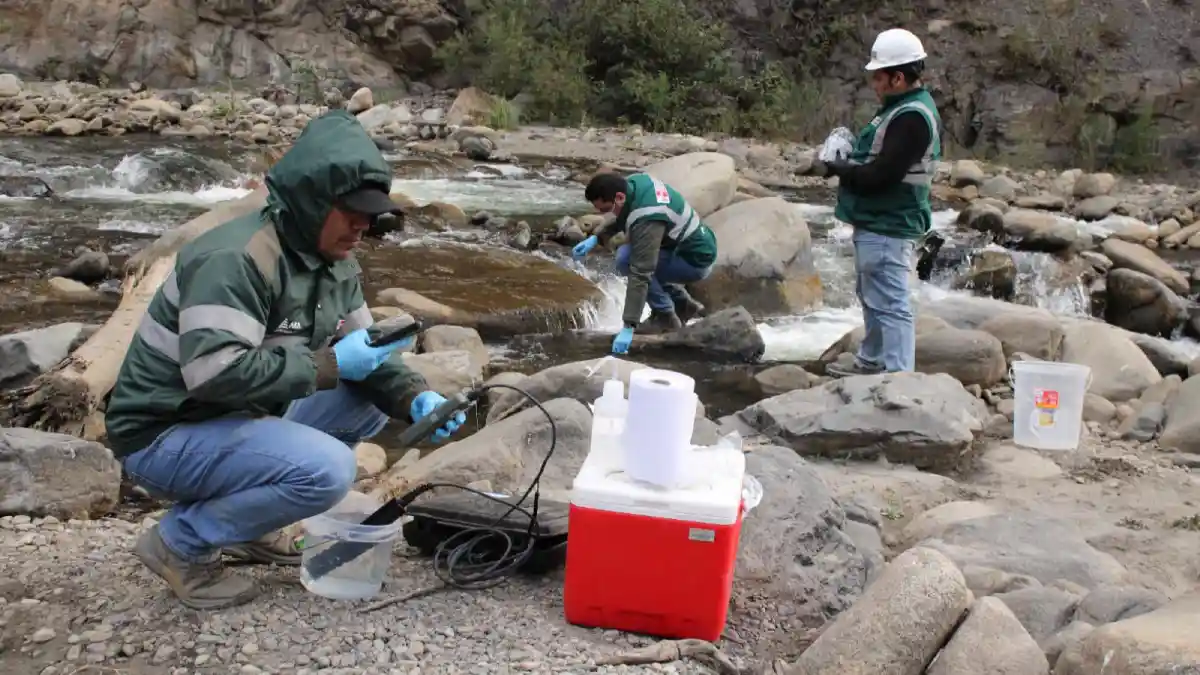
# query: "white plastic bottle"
{"type": "Point", "coordinates": [608, 421]}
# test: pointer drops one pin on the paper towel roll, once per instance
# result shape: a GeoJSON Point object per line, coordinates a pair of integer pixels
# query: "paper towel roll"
{"type": "Point", "coordinates": [658, 426]}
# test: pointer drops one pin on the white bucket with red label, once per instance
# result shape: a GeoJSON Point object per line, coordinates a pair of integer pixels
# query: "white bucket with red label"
{"type": "Point", "coordinates": [1048, 403]}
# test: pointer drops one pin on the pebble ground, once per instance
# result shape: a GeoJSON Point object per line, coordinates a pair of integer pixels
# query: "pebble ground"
{"type": "Point", "coordinates": [74, 600]}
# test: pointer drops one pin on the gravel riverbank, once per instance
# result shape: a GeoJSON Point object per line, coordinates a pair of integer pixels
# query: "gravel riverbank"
{"type": "Point", "coordinates": [87, 606]}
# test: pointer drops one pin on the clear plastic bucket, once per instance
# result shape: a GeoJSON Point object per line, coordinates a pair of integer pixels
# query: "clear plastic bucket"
{"type": "Point", "coordinates": [361, 577]}
{"type": "Point", "coordinates": [1048, 403]}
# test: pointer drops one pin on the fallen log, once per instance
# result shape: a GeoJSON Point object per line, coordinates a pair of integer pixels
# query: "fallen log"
{"type": "Point", "coordinates": [729, 335]}
{"type": "Point", "coordinates": [66, 399]}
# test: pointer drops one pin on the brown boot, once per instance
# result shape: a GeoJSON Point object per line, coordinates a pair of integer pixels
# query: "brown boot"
{"type": "Point", "coordinates": [660, 322]}
{"type": "Point", "coordinates": [199, 585]}
{"type": "Point", "coordinates": [275, 548]}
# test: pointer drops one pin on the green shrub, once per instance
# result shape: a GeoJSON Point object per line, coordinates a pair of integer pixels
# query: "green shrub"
{"type": "Point", "coordinates": [657, 63]}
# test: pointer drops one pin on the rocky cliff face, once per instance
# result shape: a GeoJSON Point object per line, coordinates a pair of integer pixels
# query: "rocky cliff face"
{"type": "Point", "coordinates": [1064, 81]}
{"type": "Point", "coordinates": [174, 43]}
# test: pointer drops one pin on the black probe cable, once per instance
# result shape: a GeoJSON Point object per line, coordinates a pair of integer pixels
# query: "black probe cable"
{"type": "Point", "coordinates": [466, 560]}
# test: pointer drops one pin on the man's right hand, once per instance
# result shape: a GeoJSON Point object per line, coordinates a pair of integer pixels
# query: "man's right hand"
{"type": "Point", "coordinates": [357, 359]}
{"type": "Point", "coordinates": [584, 247]}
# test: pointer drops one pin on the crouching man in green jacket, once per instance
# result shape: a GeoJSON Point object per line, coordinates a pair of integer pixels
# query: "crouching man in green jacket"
{"type": "Point", "coordinates": [668, 246]}
{"type": "Point", "coordinates": [231, 401]}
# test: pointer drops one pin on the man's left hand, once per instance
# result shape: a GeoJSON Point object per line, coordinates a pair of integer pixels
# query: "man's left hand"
{"type": "Point", "coordinates": [428, 401]}
{"type": "Point", "coordinates": [622, 341]}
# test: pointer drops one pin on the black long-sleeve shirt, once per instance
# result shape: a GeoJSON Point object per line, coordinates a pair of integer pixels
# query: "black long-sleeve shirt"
{"type": "Point", "coordinates": [904, 144]}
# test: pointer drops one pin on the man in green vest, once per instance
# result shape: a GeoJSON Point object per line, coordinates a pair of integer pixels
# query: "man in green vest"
{"type": "Point", "coordinates": [883, 192]}
{"type": "Point", "coordinates": [668, 246]}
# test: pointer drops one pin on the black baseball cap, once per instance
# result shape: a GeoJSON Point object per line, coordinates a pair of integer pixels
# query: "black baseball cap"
{"type": "Point", "coordinates": [370, 200]}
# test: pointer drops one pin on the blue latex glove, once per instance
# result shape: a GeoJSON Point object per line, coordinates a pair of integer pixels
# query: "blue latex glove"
{"type": "Point", "coordinates": [357, 359]}
{"type": "Point", "coordinates": [425, 403]}
{"type": "Point", "coordinates": [584, 247]}
{"type": "Point", "coordinates": [621, 342]}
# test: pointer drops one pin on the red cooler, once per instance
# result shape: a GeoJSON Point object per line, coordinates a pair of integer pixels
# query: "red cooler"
{"type": "Point", "coordinates": [654, 561]}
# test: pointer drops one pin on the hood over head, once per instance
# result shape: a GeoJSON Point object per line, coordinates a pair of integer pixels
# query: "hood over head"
{"type": "Point", "coordinates": [333, 156]}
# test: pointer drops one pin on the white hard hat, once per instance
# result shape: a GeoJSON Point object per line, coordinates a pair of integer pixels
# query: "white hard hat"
{"type": "Point", "coordinates": [895, 47]}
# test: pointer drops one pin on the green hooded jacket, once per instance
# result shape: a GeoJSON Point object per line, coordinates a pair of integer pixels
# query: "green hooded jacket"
{"type": "Point", "coordinates": [244, 322]}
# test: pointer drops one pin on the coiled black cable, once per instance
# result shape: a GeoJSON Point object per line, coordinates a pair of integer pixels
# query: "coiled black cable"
{"type": "Point", "coordinates": [467, 560]}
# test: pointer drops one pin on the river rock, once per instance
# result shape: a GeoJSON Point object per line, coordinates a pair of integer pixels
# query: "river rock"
{"type": "Point", "coordinates": [966, 172]}
{"type": "Point", "coordinates": [446, 372]}
{"type": "Point", "coordinates": [1042, 610]}
{"type": "Point", "coordinates": [1093, 185]}
{"type": "Point", "coordinates": [1182, 430]}
{"type": "Point", "coordinates": [1042, 547]}
{"type": "Point", "coordinates": [990, 641]}
{"type": "Point", "coordinates": [970, 312]}
{"type": "Point", "coordinates": [1139, 302]}
{"type": "Point", "coordinates": [1112, 603]}
{"type": "Point", "coordinates": [898, 624]}
{"type": "Point", "coordinates": [783, 378]}
{"type": "Point", "coordinates": [1160, 642]}
{"type": "Point", "coordinates": [913, 418]}
{"type": "Point", "coordinates": [1065, 639]}
{"type": "Point", "coordinates": [764, 260]}
{"type": "Point", "coordinates": [1120, 370]}
{"type": "Point", "coordinates": [707, 180]}
{"type": "Point", "coordinates": [969, 356]}
{"type": "Point", "coordinates": [29, 187]}
{"type": "Point", "coordinates": [10, 85]}
{"type": "Point", "coordinates": [931, 522]}
{"type": "Point", "coordinates": [508, 453]}
{"type": "Point", "coordinates": [1038, 336]}
{"type": "Point", "coordinates": [1095, 208]}
{"type": "Point", "coordinates": [456, 338]}
{"type": "Point", "coordinates": [370, 459]}
{"type": "Point", "coordinates": [30, 353]}
{"type": "Point", "coordinates": [982, 216]}
{"type": "Point", "coordinates": [88, 267]}
{"type": "Point", "coordinates": [1125, 228]}
{"type": "Point", "coordinates": [580, 380]}
{"type": "Point", "coordinates": [992, 273]}
{"type": "Point", "coordinates": [45, 474]}
{"type": "Point", "coordinates": [1137, 257]}
{"type": "Point", "coordinates": [1168, 358]}
{"type": "Point", "coordinates": [794, 546]}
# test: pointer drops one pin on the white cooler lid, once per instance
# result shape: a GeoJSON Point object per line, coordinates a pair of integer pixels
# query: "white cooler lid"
{"type": "Point", "coordinates": [712, 496]}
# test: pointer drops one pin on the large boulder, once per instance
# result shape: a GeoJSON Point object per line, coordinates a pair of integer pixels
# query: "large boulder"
{"type": "Point", "coordinates": [44, 474]}
{"type": "Point", "coordinates": [1163, 641]}
{"type": "Point", "coordinates": [1132, 256]}
{"type": "Point", "coordinates": [990, 641]}
{"type": "Point", "coordinates": [913, 418]}
{"type": "Point", "coordinates": [30, 353]}
{"type": "Point", "coordinates": [1038, 336]}
{"type": "Point", "coordinates": [898, 624]}
{"type": "Point", "coordinates": [1120, 369]}
{"type": "Point", "coordinates": [1182, 430]}
{"type": "Point", "coordinates": [764, 259]}
{"type": "Point", "coordinates": [507, 454]}
{"type": "Point", "coordinates": [793, 545]}
{"type": "Point", "coordinates": [446, 372]}
{"type": "Point", "coordinates": [447, 338]}
{"type": "Point", "coordinates": [850, 341]}
{"type": "Point", "coordinates": [1138, 302]}
{"type": "Point", "coordinates": [1025, 543]}
{"type": "Point", "coordinates": [707, 180]}
{"type": "Point", "coordinates": [969, 356]}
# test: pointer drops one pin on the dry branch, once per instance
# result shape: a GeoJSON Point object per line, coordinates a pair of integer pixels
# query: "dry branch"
{"type": "Point", "coordinates": [66, 399]}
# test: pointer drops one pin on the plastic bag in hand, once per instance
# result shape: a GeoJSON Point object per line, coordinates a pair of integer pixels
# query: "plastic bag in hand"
{"type": "Point", "coordinates": [837, 146]}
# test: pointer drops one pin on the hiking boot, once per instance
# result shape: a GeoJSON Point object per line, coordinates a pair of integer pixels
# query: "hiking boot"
{"type": "Point", "coordinates": [686, 307]}
{"type": "Point", "coordinates": [850, 369]}
{"type": "Point", "coordinates": [273, 548]}
{"type": "Point", "coordinates": [199, 585]}
{"type": "Point", "coordinates": [660, 322]}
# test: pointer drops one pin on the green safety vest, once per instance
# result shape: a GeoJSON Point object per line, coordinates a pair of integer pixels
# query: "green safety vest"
{"type": "Point", "coordinates": [651, 199]}
{"type": "Point", "coordinates": [902, 210]}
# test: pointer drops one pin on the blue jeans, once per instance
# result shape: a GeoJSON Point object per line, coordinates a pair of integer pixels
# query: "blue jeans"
{"type": "Point", "coordinates": [671, 270]}
{"type": "Point", "coordinates": [235, 478]}
{"type": "Point", "coordinates": [882, 266]}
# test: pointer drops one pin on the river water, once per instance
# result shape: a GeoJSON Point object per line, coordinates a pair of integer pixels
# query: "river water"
{"type": "Point", "coordinates": [114, 194]}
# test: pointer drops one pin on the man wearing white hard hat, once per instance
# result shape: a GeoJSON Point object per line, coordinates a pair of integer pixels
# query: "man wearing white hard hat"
{"type": "Point", "coordinates": [883, 191]}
